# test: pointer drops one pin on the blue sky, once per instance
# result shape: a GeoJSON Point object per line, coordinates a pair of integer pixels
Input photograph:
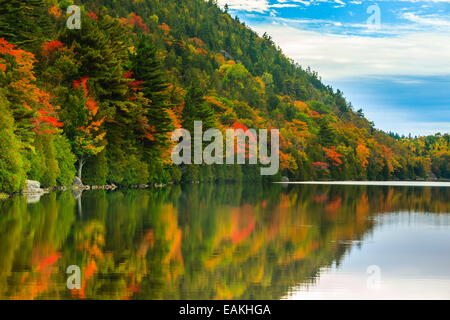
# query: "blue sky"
{"type": "Point", "coordinates": [397, 70]}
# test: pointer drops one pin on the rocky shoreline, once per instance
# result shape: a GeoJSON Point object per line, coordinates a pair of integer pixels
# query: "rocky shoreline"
{"type": "Point", "coordinates": [34, 190]}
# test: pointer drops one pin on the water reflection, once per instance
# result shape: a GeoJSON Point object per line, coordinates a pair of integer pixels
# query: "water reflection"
{"type": "Point", "coordinates": [197, 241]}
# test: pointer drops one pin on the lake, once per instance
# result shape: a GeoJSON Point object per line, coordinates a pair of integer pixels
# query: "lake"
{"type": "Point", "coordinates": [235, 241]}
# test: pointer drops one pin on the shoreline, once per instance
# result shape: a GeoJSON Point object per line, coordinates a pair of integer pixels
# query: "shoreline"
{"type": "Point", "coordinates": [108, 187]}
{"type": "Point", "coordinates": [112, 187]}
{"type": "Point", "coordinates": [404, 183]}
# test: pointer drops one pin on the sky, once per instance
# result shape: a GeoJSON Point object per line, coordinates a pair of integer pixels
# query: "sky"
{"type": "Point", "coordinates": [390, 58]}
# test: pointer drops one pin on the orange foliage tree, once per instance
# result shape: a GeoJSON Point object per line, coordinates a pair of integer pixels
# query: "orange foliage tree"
{"type": "Point", "coordinates": [31, 106]}
{"type": "Point", "coordinates": [88, 136]}
{"type": "Point", "coordinates": [334, 158]}
{"type": "Point", "coordinates": [363, 153]}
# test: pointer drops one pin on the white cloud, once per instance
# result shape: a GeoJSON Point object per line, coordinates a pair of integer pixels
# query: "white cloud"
{"type": "Point", "coordinates": [262, 6]}
{"type": "Point", "coordinates": [337, 56]}
{"type": "Point", "coordinates": [246, 5]}
{"type": "Point", "coordinates": [284, 5]}
{"type": "Point", "coordinates": [426, 20]}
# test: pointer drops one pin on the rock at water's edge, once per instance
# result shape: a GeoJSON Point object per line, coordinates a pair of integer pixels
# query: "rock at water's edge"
{"type": "Point", "coordinates": [31, 184]}
{"type": "Point", "coordinates": [33, 191]}
{"type": "Point", "coordinates": [77, 183]}
{"type": "Point", "coordinates": [33, 187]}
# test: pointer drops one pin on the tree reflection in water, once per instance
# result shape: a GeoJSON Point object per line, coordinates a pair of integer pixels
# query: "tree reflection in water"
{"type": "Point", "coordinates": [191, 242]}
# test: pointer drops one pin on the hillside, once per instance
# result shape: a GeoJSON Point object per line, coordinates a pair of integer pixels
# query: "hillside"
{"type": "Point", "coordinates": [102, 101]}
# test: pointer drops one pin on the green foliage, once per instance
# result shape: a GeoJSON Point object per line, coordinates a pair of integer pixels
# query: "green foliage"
{"type": "Point", "coordinates": [327, 134]}
{"type": "Point", "coordinates": [66, 161]}
{"type": "Point", "coordinates": [96, 170]}
{"type": "Point", "coordinates": [175, 174]}
{"type": "Point", "coordinates": [128, 170]}
{"type": "Point", "coordinates": [191, 174]}
{"type": "Point", "coordinates": [23, 21]}
{"type": "Point", "coordinates": [319, 106]}
{"type": "Point", "coordinates": [147, 68]}
{"type": "Point", "coordinates": [196, 109]}
{"type": "Point", "coordinates": [64, 4]}
{"type": "Point", "coordinates": [12, 172]}
{"type": "Point", "coordinates": [44, 164]}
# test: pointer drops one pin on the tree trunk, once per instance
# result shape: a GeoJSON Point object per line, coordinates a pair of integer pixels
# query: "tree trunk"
{"type": "Point", "coordinates": [80, 167]}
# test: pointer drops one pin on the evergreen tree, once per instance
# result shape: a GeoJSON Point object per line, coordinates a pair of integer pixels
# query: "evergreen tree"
{"type": "Point", "coordinates": [102, 50]}
{"type": "Point", "coordinates": [23, 21]}
{"type": "Point", "coordinates": [327, 134]}
{"type": "Point", "coordinates": [196, 109]}
{"type": "Point", "coordinates": [147, 70]}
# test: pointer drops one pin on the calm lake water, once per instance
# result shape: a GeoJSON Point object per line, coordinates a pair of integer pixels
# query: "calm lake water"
{"type": "Point", "coordinates": [230, 242]}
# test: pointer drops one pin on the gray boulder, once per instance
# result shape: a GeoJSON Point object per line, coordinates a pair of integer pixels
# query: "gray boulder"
{"type": "Point", "coordinates": [33, 191]}
{"type": "Point", "coordinates": [33, 187]}
{"type": "Point", "coordinates": [77, 183]}
{"type": "Point", "coordinates": [432, 177]}
{"type": "Point", "coordinates": [31, 184]}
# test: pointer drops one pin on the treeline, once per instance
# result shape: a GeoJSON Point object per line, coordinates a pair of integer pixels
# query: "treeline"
{"type": "Point", "coordinates": [101, 102]}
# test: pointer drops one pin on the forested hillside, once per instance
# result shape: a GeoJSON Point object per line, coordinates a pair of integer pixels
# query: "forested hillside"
{"type": "Point", "coordinates": [101, 102]}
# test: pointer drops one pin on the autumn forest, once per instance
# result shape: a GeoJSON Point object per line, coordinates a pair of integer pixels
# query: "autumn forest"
{"type": "Point", "coordinates": [101, 102]}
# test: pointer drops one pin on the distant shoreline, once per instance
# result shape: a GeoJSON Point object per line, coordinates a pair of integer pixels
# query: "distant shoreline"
{"type": "Point", "coordinates": [376, 183]}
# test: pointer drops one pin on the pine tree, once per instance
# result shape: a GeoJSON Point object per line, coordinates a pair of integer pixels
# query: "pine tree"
{"type": "Point", "coordinates": [23, 21]}
{"type": "Point", "coordinates": [147, 70]}
{"type": "Point", "coordinates": [327, 134]}
{"type": "Point", "coordinates": [196, 109]}
{"type": "Point", "coordinates": [101, 48]}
